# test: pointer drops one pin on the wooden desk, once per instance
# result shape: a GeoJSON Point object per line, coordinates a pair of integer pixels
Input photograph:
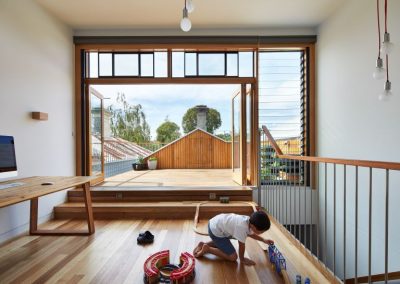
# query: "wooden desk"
{"type": "Point", "coordinates": [33, 189]}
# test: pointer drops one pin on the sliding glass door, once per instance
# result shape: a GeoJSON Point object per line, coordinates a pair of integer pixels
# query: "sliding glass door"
{"type": "Point", "coordinates": [96, 136]}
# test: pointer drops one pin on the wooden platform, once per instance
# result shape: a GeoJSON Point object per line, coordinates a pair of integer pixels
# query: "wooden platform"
{"type": "Point", "coordinates": [174, 178]}
{"type": "Point", "coordinates": [150, 210]}
{"type": "Point", "coordinates": [157, 194]}
{"type": "Point", "coordinates": [111, 255]}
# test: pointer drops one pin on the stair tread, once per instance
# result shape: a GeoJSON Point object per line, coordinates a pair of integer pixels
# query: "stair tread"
{"type": "Point", "coordinates": [157, 204]}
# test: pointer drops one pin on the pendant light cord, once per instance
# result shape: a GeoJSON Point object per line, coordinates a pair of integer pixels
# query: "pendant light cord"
{"type": "Point", "coordinates": [379, 29]}
{"type": "Point", "coordinates": [386, 16]}
{"type": "Point", "coordinates": [387, 57]}
{"type": "Point", "coordinates": [387, 67]}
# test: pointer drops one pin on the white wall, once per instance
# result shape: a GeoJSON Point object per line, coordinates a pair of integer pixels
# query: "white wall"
{"type": "Point", "coordinates": [353, 123]}
{"type": "Point", "coordinates": [36, 74]}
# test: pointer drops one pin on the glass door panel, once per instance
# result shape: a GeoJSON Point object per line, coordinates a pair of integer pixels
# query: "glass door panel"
{"type": "Point", "coordinates": [96, 139]}
{"type": "Point", "coordinates": [249, 133]}
{"type": "Point", "coordinates": [236, 141]}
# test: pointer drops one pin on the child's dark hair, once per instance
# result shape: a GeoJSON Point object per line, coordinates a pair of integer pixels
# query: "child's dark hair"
{"type": "Point", "coordinates": [260, 220]}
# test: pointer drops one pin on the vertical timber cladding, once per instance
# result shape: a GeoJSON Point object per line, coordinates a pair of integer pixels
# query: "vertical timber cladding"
{"type": "Point", "coordinates": [196, 150]}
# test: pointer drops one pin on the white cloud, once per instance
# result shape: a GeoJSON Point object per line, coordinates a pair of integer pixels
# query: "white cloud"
{"type": "Point", "coordinates": [160, 101]}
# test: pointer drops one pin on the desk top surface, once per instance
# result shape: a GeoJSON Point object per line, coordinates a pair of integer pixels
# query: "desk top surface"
{"type": "Point", "coordinates": [32, 187]}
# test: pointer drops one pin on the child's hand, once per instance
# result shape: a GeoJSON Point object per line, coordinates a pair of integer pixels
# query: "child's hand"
{"type": "Point", "coordinates": [247, 261]}
{"type": "Point", "coordinates": [269, 242]}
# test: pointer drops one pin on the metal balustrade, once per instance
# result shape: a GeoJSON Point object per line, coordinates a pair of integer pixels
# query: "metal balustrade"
{"type": "Point", "coordinates": [317, 200]}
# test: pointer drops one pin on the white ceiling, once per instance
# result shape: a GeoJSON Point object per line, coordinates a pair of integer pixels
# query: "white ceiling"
{"type": "Point", "coordinates": [209, 14]}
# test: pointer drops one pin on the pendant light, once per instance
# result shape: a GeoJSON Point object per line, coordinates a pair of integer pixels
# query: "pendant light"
{"type": "Point", "coordinates": [379, 72]}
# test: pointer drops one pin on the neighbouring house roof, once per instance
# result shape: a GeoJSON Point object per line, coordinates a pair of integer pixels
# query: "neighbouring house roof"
{"type": "Point", "coordinates": [183, 137]}
{"type": "Point", "coordinates": [120, 149]}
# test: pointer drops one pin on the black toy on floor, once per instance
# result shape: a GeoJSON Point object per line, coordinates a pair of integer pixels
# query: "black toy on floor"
{"type": "Point", "coordinates": [145, 238]}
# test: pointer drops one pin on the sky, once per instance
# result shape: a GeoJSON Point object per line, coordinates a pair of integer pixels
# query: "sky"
{"type": "Point", "coordinates": [279, 92]}
{"type": "Point", "coordinates": [172, 101]}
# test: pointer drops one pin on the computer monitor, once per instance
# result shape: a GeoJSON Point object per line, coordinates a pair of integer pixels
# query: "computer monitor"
{"type": "Point", "coordinates": [8, 162]}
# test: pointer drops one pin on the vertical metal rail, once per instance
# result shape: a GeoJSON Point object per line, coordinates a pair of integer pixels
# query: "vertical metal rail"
{"type": "Point", "coordinates": [334, 219]}
{"type": "Point", "coordinates": [300, 228]}
{"type": "Point", "coordinates": [305, 205]}
{"type": "Point", "coordinates": [370, 225]}
{"type": "Point", "coordinates": [279, 187]}
{"type": "Point", "coordinates": [272, 170]}
{"type": "Point", "coordinates": [311, 205]}
{"type": "Point", "coordinates": [344, 224]}
{"type": "Point", "coordinates": [318, 206]}
{"type": "Point", "coordinates": [259, 170]}
{"type": "Point", "coordinates": [326, 218]}
{"type": "Point", "coordinates": [295, 202]}
{"type": "Point", "coordinates": [286, 193]}
{"type": "Point", "coordinates": [290, 202]}
{"type": "Point", "coordinates": [356, 231]}
{"type": "Point", "coordinates": [387, 228]}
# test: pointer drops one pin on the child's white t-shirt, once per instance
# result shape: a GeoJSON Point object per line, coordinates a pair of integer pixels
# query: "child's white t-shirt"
{"type": "Point", "coordinates": [230, 225]}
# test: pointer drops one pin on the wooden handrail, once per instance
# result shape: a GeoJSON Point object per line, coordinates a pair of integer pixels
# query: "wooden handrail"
{"type": "Point", "coordinates": [375, 278]}
{"type": "Point", "coordinates": [359, 163]}
{"type": "Point", "coordinates": [273, 142]}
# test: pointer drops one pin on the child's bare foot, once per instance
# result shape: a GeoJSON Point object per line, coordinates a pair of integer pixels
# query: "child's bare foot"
{"type": "Point", "coordinates": [202, 251]}
{"type": "Point", "coordinates": [198, 248]}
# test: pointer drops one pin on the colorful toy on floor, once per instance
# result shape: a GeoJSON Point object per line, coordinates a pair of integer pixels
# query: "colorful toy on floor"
{"type": "Point", "coordinates": [276, 258]}
{"type": "Point", "coordinates": [158, 270]}
{"type": "Point", "coordinates": [278, 262]}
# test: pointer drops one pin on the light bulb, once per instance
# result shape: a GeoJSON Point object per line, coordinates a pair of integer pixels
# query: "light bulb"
{"type": "Point", "coordinates": [379, 72]}
{"type": "Point", "coordinates": [186, 24]}
{"type": "Point", "coordinates": [387, 46]}
{"type": "Point", "coordinates": [190, 6]}
{"type": "Point", "coordinates": [387, 92]}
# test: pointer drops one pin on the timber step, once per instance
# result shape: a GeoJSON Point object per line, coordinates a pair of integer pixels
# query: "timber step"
{"type": "Point", "coordinates": [151, 210]}
{"type": "Point", "coordinates": [155, 194]}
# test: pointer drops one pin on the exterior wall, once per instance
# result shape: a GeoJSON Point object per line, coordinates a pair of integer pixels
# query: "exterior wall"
{"type": "Point", "coordinates": [198, 150]}
{"type": "Point", "coordinates": [36, 74]}
{"type": "Point", "coordinates": [352, 123]}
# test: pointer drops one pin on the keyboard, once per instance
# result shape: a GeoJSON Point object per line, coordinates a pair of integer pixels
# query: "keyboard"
{"type": "Point", "coordinates": [9, 185]}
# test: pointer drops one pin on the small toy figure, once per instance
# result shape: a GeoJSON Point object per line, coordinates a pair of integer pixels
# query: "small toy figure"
{"type": "Point", "coordinates": [298, 279]}
{"type": "Point", "coordinates": [307, 281]}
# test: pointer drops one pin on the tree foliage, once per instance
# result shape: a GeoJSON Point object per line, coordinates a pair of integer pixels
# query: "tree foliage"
{"type": "Point", "coordinates": [129, 121]}
{"type": "Point", "coordinates": [168, 131]}
{"type": "Point", "coordinates": [189, 120]}
{"type": "Point", "coordinates": [225, 136]}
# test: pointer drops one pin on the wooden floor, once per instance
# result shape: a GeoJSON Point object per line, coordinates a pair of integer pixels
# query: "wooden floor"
{"type": "Point", "coordinates": [112, 255]}
{"type": "Point", "coordinates": [173, 178]}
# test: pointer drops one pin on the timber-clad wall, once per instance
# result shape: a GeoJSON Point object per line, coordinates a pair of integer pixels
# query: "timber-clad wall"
{"type": "Point", "coordinates": [196, 150]}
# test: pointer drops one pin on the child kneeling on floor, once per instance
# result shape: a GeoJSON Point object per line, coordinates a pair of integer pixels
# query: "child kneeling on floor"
{"type": "Point", "coordinates": [225, 226]}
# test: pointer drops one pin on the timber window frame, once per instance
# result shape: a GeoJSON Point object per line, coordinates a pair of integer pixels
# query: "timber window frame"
{"type": "Point", "coordinates": [228, 45]}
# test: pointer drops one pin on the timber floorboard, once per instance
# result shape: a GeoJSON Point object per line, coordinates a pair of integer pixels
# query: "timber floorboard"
{"type": "Point", "coordinates": [172, 178]}
{"type": "Point", "coordinates": [112, 255]}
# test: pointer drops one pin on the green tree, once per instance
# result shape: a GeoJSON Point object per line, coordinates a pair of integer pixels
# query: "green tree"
{"type": "Point", "coordinates": [189, 120]}
{"type": "Point", "coordinates": [168, 131]}
{"type": "Point", "coordinates": [225, 136]}
{"type": "Point", "coordinates": [129, 121]}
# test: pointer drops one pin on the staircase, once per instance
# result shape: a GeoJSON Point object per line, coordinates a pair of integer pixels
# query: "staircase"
{"type": "Point", "coordinates": [156, 203]}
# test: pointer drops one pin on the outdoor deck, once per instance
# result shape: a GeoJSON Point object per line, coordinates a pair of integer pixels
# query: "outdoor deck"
{"type": "Point", "coordinates": [173, 178]}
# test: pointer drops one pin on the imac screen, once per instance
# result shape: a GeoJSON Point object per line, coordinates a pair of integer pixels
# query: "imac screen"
{"type": "Point", "coordinates": [8, 163]}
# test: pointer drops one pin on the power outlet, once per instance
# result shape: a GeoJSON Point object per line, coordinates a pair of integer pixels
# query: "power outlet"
{"type": "Point", "coordinates": [212, 196]}
{"type": "Point", "coordinates": [118, 196]}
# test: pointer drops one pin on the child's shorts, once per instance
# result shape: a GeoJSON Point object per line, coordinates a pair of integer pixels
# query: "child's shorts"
{"type": "Point", "coordinates": [223, 244]}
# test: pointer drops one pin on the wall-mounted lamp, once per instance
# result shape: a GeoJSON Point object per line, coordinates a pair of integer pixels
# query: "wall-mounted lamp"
{"type": "Point", "coordinates": [40, 115]}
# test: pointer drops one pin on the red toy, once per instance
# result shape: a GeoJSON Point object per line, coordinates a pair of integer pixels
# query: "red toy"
{"type": "Point", "coordinates": [158, 262]}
